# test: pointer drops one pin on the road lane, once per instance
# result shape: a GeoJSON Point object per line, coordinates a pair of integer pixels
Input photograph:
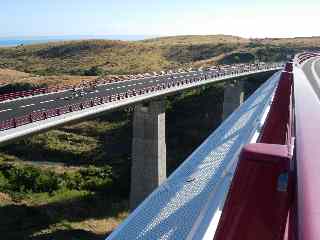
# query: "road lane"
{"type": "Point", "coordinates": [317, 68]}
{"type": "Point", "coordinates": [314, 80]}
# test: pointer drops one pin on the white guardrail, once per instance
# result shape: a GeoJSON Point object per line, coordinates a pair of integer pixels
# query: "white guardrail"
{"type": "Point", "coordinates": [188, 205]}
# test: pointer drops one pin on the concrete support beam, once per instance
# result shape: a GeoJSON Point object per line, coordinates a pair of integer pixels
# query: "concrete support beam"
{"type": "Point", "coordinates": [233, 97]}
{"type": "Point", "coordinates": [148, 169]}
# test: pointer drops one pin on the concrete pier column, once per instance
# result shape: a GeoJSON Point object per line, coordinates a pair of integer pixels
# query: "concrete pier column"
{"type": "Point", "coordinates": [233, 97]}
{"type": "Point", "coordinates": [148, 169]}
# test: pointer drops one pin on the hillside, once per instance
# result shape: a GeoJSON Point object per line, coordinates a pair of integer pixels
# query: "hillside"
{"type": "Point", "coordinates": [8, 76]}
{"type": "Point", "coordinates": [124, 57]}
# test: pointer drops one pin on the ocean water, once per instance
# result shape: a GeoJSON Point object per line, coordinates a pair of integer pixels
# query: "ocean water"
{"type": "Point", "coordinates": [7, 42]}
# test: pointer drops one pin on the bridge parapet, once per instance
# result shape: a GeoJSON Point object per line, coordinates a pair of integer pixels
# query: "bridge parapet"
{"type": "Point", "coordinates": [261, 194]}
{"type": "Point", "coordinates": [188, 204]}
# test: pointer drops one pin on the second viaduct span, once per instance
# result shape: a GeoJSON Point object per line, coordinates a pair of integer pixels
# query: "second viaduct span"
{"type": "Point", "coordinates": [25, 116]}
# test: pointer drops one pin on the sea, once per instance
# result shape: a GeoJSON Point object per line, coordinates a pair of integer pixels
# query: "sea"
{"type": "Point", "coordinates": [16, 41]}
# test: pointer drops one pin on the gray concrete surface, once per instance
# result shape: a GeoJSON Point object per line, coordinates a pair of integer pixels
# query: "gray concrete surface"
{"type": "Point", "coordinates": [233, 97]}
{"type": "Point", "coordinates": [148, 168]}
{"type": "Point", "coordinates": [311, 68]}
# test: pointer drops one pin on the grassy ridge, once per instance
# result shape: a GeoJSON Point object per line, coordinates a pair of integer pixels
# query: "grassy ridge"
{"type": "Point", "coordinates": [121, 57]}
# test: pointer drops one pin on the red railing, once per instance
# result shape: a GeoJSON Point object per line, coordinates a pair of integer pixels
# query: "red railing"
{"type": "Point", "coordinates": [33, 92]}
{"type": "Point", "coordinates": [42, 115]}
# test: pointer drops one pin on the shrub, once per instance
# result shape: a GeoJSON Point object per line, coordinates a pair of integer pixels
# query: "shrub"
{"type": "Point", "coordinates": [25, 179]}
{"type": "Point", "coordinates": [93, 71]}
{"type": "Point", "coordinates": [30, 179]}
{"type": "Point", "coordinates": [15, 87]}
{"type": "Point", "coordinates": [3, 182]}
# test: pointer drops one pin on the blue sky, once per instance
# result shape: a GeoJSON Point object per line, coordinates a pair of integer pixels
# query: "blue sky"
{"type": "Point", "coordinates": [246, 18]}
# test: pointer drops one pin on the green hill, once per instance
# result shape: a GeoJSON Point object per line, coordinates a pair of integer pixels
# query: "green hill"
{"type": "Point", "coordinates": [127, 57]}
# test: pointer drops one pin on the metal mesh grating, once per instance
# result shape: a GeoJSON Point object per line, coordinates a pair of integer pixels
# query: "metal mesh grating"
{"type": "Point", "coordinates": [180, 207]}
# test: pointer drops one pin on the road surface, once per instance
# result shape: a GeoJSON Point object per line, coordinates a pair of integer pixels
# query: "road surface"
{"type": "Point", "coordinates": [312, 70]}
{"type": "Point", "coordinates": [25, 106]}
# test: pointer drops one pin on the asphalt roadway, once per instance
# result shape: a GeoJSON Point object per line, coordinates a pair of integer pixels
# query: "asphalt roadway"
{"type": "Point", "coordinates": [24, 106]}
{"type": "Point", "coordinates": [312, 70]}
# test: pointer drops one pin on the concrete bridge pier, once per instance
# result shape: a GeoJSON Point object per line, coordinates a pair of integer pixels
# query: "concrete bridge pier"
{"type": "Point", "coordinates": [233, 97]}
{"type": "Point", "coordinates": [148, 168]}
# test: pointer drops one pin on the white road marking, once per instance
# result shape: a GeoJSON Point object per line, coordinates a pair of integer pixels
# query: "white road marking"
{"type": "Point", "coordinates": [96, 91]}
{"type": "Point", "coordinates": [150, 81]}
{"type": "Point", "coordinates": [118, 87]}
{"type": "Point", "coordinates": [47, 101]}
{"type": "Point", "coordinates": [6, 110]}
{"type": "Point", "coordinates": [43, 109]}
{"type": "Point", "coordinates": [314, 72]}
{"type": "Point", "coordinates": [134, 84]}
{"type": "Point", "coordinates": [107, 89]}
{"type": "Point", "coordinates": [129, 85]}
{"type": "Point", "coordinates": [28, 105]}
{"type": "Point", "coordinates": [140, 83]}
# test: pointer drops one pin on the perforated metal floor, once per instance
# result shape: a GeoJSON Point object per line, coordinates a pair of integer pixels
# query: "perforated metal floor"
{"type": "Point", "coordinates": [185, 205]}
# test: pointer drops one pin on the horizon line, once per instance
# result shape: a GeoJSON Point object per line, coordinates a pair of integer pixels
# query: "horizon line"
{"type": "Point", "coordinates": [25, 37]}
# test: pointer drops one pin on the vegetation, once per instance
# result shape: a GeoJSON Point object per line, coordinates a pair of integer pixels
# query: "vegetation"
{"type": "Point", "coordinates": [103, 57]}
{"type": "Point", "coordinates": [20, 86]}
{"type": "Point", "coordinates": [29, 179]}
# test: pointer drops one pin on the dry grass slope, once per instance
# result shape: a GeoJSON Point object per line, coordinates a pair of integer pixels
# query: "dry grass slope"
{"type": "Point", "coordinates": [125, 57]}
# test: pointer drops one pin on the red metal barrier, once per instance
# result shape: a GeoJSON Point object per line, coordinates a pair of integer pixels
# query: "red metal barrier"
{"type": "Point", "coordinates": [276, 126]}
{"type": "Point", "coordinates": [260, 197]}
{"type": "Point", "coordinates": [258, 201]}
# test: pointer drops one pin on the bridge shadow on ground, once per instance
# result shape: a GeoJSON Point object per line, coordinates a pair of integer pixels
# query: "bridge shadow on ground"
{"type": "Point", "coordinates": [70, 234]}
{"type": "Point", "coordinates": [53, 221]}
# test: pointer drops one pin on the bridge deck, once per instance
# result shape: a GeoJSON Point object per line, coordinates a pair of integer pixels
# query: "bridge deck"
{"type": "Point", "coordinates": [39, 113]}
